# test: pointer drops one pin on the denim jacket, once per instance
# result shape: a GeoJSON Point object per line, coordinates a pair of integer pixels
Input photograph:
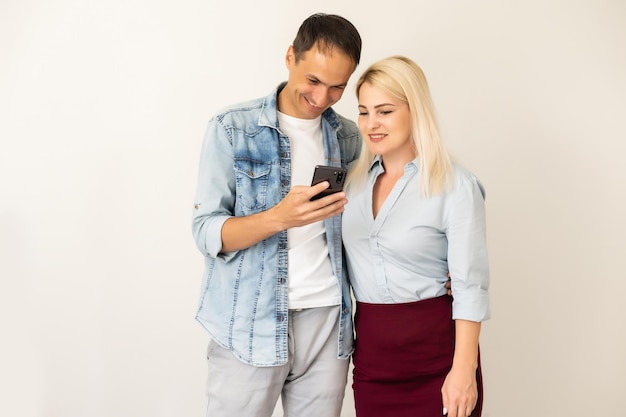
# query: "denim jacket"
{"type": "Point", "coordinates": [245, 168]}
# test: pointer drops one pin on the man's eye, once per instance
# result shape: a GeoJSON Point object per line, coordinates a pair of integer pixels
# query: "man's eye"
{"type": "Point", "coordinates": [313, 81]}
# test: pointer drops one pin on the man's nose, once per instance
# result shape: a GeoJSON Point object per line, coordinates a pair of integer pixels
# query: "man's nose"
{"type": "Point", "coordinates": [321, 96]}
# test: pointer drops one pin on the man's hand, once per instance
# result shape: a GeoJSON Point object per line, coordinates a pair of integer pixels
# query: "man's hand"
{"type": "Point", "coordinates": [297, 209]}
{"type": "Point", "coordinates": [448, 285]}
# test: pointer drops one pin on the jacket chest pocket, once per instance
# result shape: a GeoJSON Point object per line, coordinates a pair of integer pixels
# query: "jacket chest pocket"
{"type": "Point", "coordinates": [252, 183]}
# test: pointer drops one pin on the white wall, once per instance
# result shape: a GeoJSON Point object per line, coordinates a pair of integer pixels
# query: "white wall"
{"type": "Point", "coordinates": [102, 111]}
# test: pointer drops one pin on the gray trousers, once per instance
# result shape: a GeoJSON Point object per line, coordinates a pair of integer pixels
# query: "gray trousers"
{"type": "Point", "coordinates": [311, 384]}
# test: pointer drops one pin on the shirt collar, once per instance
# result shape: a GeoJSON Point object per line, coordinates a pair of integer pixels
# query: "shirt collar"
{"type": "Point", "coordinates": [410, 167]}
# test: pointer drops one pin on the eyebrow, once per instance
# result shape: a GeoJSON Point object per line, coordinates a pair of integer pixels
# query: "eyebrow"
{"type": "Point", "coordinates": [378, 105]}
{"type": "Point", "coordinates": [315, 78]}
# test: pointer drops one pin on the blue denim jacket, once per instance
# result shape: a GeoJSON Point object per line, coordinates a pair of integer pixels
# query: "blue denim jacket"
{"type": "Point", "coordinates": [245, 168]}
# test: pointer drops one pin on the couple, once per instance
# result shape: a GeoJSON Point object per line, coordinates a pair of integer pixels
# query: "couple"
{"type": "Point", "coordinates": [276, 298]}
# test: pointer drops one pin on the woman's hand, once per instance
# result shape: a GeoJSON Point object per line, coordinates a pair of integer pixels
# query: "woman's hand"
{"type": "Point", "coordinates": [459, 392]}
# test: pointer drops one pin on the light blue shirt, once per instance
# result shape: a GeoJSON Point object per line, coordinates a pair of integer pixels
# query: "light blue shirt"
{"type": "Point", "coordinates": [245, 168]}
{"type": "Point", "coordinates": [405, 253]}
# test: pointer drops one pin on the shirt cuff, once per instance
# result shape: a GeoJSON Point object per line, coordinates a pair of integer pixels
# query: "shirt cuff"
{"type": "Point", "coordinates": [471, 306]}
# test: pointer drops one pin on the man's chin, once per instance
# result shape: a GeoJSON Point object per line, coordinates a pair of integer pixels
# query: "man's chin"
{"type": "Point", "coordinates": [311, 114]}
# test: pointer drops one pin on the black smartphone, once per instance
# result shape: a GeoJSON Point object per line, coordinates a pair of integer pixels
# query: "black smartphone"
{"type": "Point", "coordinates": [334, 175]}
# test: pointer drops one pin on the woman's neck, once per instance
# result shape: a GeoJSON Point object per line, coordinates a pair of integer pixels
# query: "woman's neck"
{"type": "Point", "coordinates": [394, 163]}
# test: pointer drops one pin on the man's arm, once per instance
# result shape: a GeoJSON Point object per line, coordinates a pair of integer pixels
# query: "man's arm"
{"type": "Point", "coordinates": [217, 231]}
{"type": "Point", "coordinates": [294, 210]}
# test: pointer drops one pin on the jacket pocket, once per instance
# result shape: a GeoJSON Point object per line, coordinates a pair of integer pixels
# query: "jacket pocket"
{"type": "Point", "coordinates": [252, 178]}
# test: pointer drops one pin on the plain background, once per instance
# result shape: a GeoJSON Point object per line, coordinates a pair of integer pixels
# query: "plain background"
{"type": "Point", "coordinates": [103, 106]}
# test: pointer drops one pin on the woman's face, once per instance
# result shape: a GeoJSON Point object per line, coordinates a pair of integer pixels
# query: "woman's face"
{"type": "Point", "coordinates": [385, 123]}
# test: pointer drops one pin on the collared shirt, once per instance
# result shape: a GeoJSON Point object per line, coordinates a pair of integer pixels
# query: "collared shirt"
{"type": "Point", "coordinates": [405, 253]}
{"type": "Point", "coordinates": [245, 168]}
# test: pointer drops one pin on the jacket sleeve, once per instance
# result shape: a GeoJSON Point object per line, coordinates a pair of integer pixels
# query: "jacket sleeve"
{"type": "Point", "coordinates": [215, 192]}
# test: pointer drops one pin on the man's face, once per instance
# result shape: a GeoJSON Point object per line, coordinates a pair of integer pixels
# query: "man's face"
{"type": "Point", "coordinates": [315, 83]}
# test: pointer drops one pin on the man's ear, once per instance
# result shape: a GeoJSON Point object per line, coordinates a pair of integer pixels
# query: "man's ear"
{"type": "Point", "coordinates": [290, 57]}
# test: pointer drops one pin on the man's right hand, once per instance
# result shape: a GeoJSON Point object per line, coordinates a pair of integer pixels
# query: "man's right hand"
{"type": "Point", "coordinates": [297, 209]}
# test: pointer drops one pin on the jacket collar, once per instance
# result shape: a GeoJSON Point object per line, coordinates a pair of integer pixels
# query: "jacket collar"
{"type": "Point", "coordinates": [268, 115]}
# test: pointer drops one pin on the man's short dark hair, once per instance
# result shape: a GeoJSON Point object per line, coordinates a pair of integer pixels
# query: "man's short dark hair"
{"type": "Point", "coordinates": [328, 31]}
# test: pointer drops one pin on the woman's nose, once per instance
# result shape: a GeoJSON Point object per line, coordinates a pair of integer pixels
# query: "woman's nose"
{"type": "Point", "coordinates": [372, 122]}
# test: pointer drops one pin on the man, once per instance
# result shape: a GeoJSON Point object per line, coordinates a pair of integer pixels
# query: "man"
{"type": "Point", "coordinates": [275, 297]}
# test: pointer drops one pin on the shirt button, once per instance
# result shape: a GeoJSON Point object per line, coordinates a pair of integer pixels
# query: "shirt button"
{"type": "Point", "coordinates": [281, 318]}
{"type": "Point", "coordinates": [282, 280]}
{"type": "Point", "coordinates": [346, 310]}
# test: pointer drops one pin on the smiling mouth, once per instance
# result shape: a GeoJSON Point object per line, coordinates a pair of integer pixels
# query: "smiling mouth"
{"type": "Point", "coordinates": [377, 137]}
{"type": "Point", "coordinates": [311, 103]}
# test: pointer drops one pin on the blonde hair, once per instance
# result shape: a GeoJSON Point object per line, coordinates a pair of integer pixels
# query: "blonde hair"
{"type": "Point", "coordinates": [404, 80]}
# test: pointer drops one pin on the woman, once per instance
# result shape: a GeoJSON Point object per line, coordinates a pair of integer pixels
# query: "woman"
{"type": "Point", "coordinates": [413, 216]}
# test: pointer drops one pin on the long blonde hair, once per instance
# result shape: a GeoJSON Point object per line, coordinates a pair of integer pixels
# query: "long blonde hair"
{"type": "Point", "coordinates": [404, 80]}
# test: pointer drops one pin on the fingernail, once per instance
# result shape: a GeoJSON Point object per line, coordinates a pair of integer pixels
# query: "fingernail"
{"type": "Point", "coordinates": [445, 411]}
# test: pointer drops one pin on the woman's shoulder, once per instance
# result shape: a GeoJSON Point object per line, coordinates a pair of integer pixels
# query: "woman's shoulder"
{"type": "Point", "coordinates": [463, 178]}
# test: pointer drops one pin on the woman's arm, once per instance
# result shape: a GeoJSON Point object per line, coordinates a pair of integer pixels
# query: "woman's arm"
{"type": "Point", "coordinates": [460, 391]}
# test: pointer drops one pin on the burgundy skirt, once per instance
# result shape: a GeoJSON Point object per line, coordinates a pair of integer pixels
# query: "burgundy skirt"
{"type": "Point", "coordinates": [402, 355]}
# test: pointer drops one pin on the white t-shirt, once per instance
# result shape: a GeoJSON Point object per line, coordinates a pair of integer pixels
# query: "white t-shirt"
{"type": "Point", "coordinates": [311, 279]}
